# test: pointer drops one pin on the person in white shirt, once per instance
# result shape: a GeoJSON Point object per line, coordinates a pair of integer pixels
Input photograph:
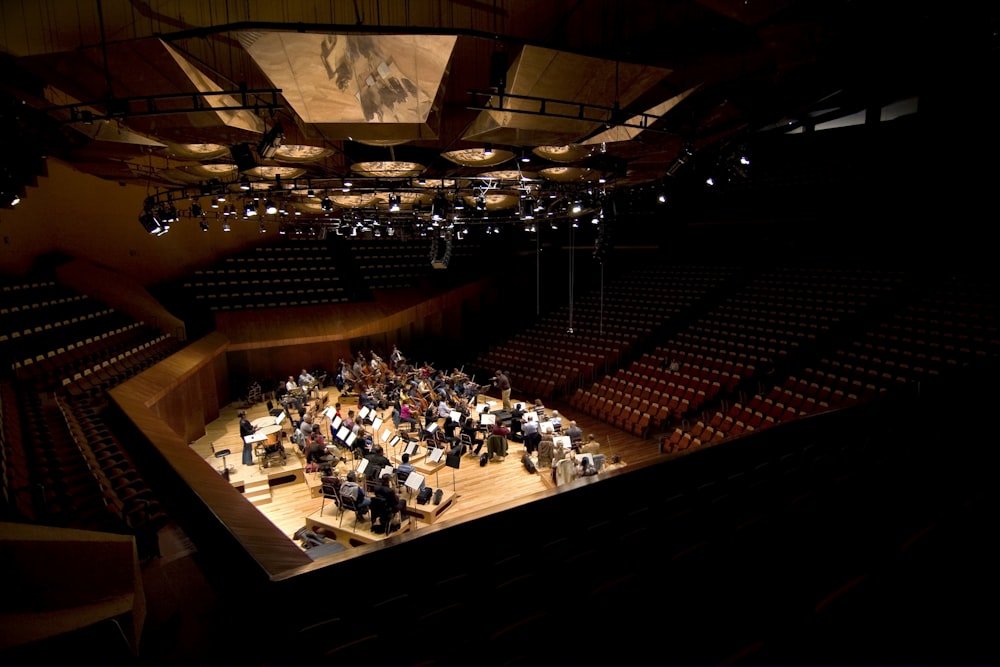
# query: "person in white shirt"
{"type": "Point", "coordinates": [556, 421]}
{"type": "Point", "coordinates": [292, 394]}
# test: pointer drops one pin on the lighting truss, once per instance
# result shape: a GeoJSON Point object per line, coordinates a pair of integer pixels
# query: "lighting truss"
{"type": "Point", "coordinates": [257, 99]}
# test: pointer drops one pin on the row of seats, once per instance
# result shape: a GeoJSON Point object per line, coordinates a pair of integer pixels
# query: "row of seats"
{"type": "Point", "coordinates": [47, 372]}
{"type": "Point", "coordinates": [908, 344]}
{"type": "Point", "coordinates": [75, 472]}
{"type": "Point", "coordinates": [771, 331]}
{"type": "Point", "coordinates": [113, 370]}
{"type": "Point", "coordinates": [624, 322]}
{"type": "Point", "coordinates": [15, 471]}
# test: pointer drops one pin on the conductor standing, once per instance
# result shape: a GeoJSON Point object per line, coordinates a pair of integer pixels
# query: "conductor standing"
{"type": "Point", "coordinates": [246, 429]}
{"type": "Point", "coordinates": [502, 382]}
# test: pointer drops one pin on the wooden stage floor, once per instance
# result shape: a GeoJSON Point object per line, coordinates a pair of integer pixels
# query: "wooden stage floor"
{"type": "Point", "coordinates": [290, 498]}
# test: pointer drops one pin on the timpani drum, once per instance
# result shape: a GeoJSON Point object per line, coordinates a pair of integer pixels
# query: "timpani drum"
{"type": "Point", "coordinates": [271, 432]}
{"type": "Point", "coordinates": [263, 422]}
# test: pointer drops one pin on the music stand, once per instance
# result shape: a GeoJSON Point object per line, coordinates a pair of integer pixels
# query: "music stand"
{"type": "Point", "coordinates": [454, 461]}
{"type": "Point", "coordinates": [434, 456]}
{"type": "Point", "coordinates": [387, 470]}
{"type": "Point", "coordinates": [413, 482]}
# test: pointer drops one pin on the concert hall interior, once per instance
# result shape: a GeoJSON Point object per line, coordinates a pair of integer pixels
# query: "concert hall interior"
{"type": "Point", "coordinates": [672, 326]}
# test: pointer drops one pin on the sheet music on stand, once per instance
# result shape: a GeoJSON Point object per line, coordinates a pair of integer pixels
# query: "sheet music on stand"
{"type": "Point", "coordinates": [487, 419]}
{"type": "Point", "coordinates": [394, 441]}
{"type": "Point", "coordinates": [414, 481]}
{"type": "Point", "coordinates": [351, 437]}
{"type": "Point", "coordinates": [562, 441]}
{"type": "Point", "coordinates": [343, 432]}
{"type": "Point", "coordinates": [280, 418]}
{"type": "Point", "coordinates": [456, 416]}
{"type": "Point", "coordinates": [376, 423]}
{"type": "Point", "coordinates": [363, 466]}
{"type": "Point", "coordinates": [410, 448]}
{"type": "Point", "coordinates": [433, 426]}
{"type": "Point", "coordinates": [385, 436]}
{"type": "Point", "coordinates": [481, 407]}
{"type": "Point", "coordinates": [363, 412]}
{"type": "Point", "coordinates": [387, 470]}
{"type": "Point", "coordinates": [436, 454]}
{"type": "Point", "coordinates": [336, 422]}
{"type": "Point", "coordinates": [329, 412]}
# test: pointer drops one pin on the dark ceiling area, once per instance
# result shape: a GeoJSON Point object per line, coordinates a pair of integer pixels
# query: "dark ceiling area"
{"type": "Point", "coordinates": [359, 109]}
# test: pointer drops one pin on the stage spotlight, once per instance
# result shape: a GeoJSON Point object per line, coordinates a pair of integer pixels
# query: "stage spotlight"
{"type": "Point", "coordinates": [270, 207]}
{"type": "Point", "coordinates": [439, 207]}
{"type": "Point", "coordinates": [527, 209]}
{"type": "Point", "coordinates": [394, 203]}
{"type": "Point", "coordinates": [244, 182]}
{"type": "Point", "coordinates": [271, 141]}
{"type": "Point", "coordinates": [488, 151]}
{"type": "Point", "coordinates": [226, 227]}
{"type": "Point", "coordinates": [150, 223]}
{"type": "Point", "coordinates": [203, 225]}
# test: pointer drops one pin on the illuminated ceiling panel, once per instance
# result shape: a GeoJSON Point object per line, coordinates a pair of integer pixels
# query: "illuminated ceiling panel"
{"type": "Point", "coordinates": [244, 120]}
{"type": "Point", "coordinates": [567, 77]}
{"type": "Point", "coordinates": [629, 132]}
{"type": "Point", "coordinates": [339, 78]}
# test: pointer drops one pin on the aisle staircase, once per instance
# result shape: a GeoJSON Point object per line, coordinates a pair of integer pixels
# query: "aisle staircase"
{"type": "Point", "coordinates": [258, 492]}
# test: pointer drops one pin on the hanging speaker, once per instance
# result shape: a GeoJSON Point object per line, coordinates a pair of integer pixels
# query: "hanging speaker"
{"type": "Point", "coordinates": [498, 71]}
{"type": "Point", "coordinates": [243, 157]}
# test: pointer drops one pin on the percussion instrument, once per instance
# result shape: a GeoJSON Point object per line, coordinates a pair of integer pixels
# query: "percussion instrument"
{"type": "Point", "coordinates": [271, 432]}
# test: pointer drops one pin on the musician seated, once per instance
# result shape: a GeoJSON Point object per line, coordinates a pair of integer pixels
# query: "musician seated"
{"type": "Point", "coordinates": [574, 432]}
{"type": "Point", "coordinates": [441, 387]}
{"type": "Point", "coordinates": [376, 461]}
{"type": "Point", "coordinates": [592, 446]}
{"type": "Point", "coordinates": [290, 399]}
{"type": "Point", "coordinates": [406, 416]}
{"type": "Point", "coordinates": [367, 400]}
{"type": "Point", "coordinates": [316, 450]}
{"type": "Point", "coordinates": [556, 421]}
